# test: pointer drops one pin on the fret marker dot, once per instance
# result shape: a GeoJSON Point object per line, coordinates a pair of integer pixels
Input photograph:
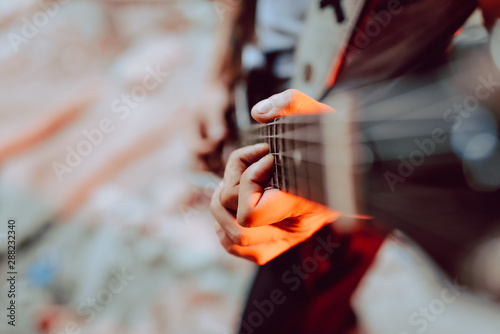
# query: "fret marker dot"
{"type": "Point", "coordinates": [297, 158]}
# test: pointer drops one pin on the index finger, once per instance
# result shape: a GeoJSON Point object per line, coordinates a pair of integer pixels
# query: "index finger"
{"type": "Point", "coordinates": [237, 163]}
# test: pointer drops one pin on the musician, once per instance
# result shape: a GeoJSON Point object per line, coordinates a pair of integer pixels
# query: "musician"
{"type": "Point", "coordinates": [311, 263]}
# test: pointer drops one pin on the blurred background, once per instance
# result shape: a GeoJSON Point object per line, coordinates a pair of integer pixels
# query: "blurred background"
{"type": "Point", "coordinates": [112, 116]}
{"type": "Point", "coordinates": [100, 109]}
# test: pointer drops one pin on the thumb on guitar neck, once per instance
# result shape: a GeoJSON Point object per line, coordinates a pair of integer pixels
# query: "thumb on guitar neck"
{"type": "Point", "coordinates": [289, 102]}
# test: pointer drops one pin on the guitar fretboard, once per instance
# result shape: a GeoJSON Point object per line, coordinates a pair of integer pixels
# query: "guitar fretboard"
{"type": "Point", "coordinates": [296, 144]}
{"type": "Point", "coordinates": [320, 156]}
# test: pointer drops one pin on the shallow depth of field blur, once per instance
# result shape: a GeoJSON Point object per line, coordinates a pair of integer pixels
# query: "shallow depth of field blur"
{"type": "Point", "coordinates": [117, 237]}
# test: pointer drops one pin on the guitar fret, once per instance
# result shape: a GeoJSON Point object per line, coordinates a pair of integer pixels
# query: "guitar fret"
{"type": "Point", "coordinates": [275, 150]}
{"type": "Point", "coordinates": [303, 188]}
{"type": "Point", "coordinates": [292, 174]}
{"type": "Point", "coordinates": [281, 162]}
{"type": "Point", "coordinates": [271, 148]}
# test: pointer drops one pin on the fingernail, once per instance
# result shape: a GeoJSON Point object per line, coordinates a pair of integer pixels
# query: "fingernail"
{"type": "Point", "coordinates": [261, 146]}
{"type": "Point", "coordinates": [263, 107]}
{"type": "Point", "coordinates": [269, 157]}
{"type": "Point", "coordinates": [265, 162]}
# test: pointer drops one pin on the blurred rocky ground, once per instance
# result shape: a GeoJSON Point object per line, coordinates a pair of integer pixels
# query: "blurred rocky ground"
{"type": "Point", "coordinates": [98, 109]}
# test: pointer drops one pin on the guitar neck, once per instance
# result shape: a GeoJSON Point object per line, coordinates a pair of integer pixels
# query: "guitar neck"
{"type": "Point", "coordinates": [325, 158]}
{"type": "Point", "coordinates": [297, 147]}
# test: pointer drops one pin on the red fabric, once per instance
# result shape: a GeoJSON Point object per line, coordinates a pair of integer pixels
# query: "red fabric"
{"type": "Point", "coordinates": [320, 303]}
{"type": "Point", "coordinates": [330, 310]}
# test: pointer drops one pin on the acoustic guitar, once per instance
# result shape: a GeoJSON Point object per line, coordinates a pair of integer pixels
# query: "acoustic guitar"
{"type": "Point", "coordinates": [420, 154]}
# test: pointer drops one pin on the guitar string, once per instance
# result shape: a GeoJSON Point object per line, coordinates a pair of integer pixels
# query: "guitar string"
{"type": "Point", "coordinates": [301, 135]}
